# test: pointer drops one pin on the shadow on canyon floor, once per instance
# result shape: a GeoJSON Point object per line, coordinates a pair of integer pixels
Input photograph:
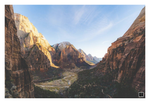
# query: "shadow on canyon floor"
{"type": "Point", "coordinates": [91, 84]}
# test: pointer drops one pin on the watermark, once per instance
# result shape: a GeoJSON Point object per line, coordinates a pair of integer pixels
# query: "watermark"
{"type": "Point", "coordinates": [140, 94]}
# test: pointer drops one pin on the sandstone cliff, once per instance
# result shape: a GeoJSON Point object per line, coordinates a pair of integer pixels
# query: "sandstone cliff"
{"type": "Point", "coordinates": [67, 56]}
{"type": "Point", "coordinates": [35, 49]}
{"type": "Point", "coordinates": [127, 56]}
{"type": "Point", "coordinates": [18, 80]}
{"type": "Point", "coordinates": [32, 41]}
{"type": "Point", "coordinates": [121, 73]}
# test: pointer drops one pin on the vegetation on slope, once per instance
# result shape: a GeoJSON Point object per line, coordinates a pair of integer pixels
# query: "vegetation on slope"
{"type": "Point", "coordinates": [43, 93]}
{"type": "Point", "coordinates": [91, 84]}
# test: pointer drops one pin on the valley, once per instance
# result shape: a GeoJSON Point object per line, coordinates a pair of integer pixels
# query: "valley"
{"type": "Point", "coordinates": [61, 85]}
{"type": "Point", "coordinates": [36, 69]}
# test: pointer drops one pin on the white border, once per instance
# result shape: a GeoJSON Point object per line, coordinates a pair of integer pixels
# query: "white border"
{"type": "Point", "coordinates": [75, 2]}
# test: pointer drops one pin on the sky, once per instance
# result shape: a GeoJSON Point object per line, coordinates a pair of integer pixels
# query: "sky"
{"type": "Point", "coordinates": [91, 28]}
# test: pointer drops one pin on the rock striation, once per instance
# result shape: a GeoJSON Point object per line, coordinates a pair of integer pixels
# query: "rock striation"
{"type": "Point", "coordinates": [18, 79]}
{"type": "Point", "coordinates": [127, 54]}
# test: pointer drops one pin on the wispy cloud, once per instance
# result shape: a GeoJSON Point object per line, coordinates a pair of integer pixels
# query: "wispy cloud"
{"type": "Point", "coordinates": [95, 33]}
{"type": "Point", "coordinates": [78, 14]}
{"type": "Point", "coordinates": [90, 15]}
{"type": "Point", "coordinates": [91, 21]}
{"type": "Point", "coordinates": [85, 14]}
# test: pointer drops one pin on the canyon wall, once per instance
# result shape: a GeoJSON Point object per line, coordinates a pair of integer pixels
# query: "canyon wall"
{"type": "Point", "coordinates": [34, 47]}
{"type": "Point", "coordinates": [18, 79]}
{"type": "Point", "coordinates": [127, 54]}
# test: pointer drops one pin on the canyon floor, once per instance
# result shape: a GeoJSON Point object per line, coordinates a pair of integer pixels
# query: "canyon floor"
{"type": "Point", "coordinates": [62, 84]}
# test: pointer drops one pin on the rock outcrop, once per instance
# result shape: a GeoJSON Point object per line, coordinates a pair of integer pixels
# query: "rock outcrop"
{"type": "Point", "coordinates": [18, 79]}
{"type": "Point", "coordinates": [67, 56]}
{"type": "Point", "coordinates": [127, 54]}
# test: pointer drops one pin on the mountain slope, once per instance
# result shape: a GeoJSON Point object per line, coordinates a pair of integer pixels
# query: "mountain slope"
{"type": "Point", "coordinates": [18, 80]}
{"type": "Point", "coordinates": [67, 56]}
{"type": "Point", "coordinates": [128, 54]}
{"type": "Point", "coordinates": [29, 37]}
{"type": "Point", "coordinates": [121, 73]}
{"type": "Point", "coordinates": [89, 57]}
{"type": "Point", "coordinates": [35, 49]}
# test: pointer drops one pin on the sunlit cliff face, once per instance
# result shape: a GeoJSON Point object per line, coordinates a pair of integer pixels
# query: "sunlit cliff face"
{"type": "Point", "coordinates": [29, 38]}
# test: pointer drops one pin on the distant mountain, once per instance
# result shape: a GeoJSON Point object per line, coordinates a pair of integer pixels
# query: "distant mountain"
{"type": "Point", "coordinates": [83, 53]}
{"type": "Point", "coordinates": [89, 57]}
{"type": "Point", "coordinates": [67, 56]}
{"type": "Point", "coordinates": [97, 59]}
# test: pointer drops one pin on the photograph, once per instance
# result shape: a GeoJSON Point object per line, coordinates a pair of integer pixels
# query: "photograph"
{"type": "Point", "coordinates": [74, 51]}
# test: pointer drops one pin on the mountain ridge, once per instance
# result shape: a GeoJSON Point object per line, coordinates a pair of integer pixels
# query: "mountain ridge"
{"type": "Point", "coordinates": [68, 56]}
{"type": "Point", "coordinates": [89, 57]}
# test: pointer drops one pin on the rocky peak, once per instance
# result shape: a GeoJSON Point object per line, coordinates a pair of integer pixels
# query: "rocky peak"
{"type": "Point", "coordinates": [28, 32]}
{"type": "Point", "coordinates": [62, 45]}
{"type": "Point", "coordinates": [67, 56]}
{"type": "Point", "coordinates": [23, 24]}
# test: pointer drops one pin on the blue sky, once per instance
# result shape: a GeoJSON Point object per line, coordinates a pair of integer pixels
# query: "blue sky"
{"type": "Point", "coordinates": [90, 27]}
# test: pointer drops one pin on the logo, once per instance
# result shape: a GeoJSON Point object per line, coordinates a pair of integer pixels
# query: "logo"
{"type": "Point", "coordinates": [140, 94]}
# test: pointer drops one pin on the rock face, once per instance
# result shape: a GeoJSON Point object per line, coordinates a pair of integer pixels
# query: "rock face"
{"type": "Point", "coordinates": [35, 49]}
{"type": "Point", "coordinates": [18, 80]}
{"type": "Point", "coordinates": [127, 54]}
{"type": "Point", "coordinates": [67, 56]}
{"type": "Point", "coordinates": [89, 57]}
{"type": "Point", "coordinates": [32, 41]}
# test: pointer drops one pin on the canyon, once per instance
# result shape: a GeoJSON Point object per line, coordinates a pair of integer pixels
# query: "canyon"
{"type": "Point", "coordinates": [34, 68]}
{"type": "Point", "coordinates": [45, 59]}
